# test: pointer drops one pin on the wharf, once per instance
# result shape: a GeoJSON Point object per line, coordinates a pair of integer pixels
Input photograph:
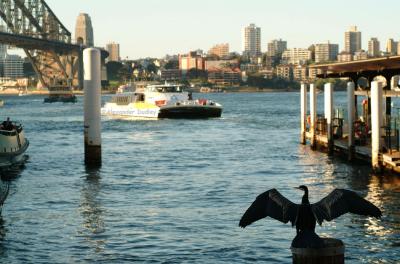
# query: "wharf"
{"type": "Point", "coordinates": [369, 132]}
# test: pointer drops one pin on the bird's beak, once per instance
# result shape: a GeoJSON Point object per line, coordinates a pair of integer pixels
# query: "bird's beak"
{"type": "Point", "coordinates": [297, 188]}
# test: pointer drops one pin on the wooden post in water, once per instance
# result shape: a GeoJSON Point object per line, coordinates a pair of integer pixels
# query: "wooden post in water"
{"type": "Point", "coordinates": [351, 118]}
{"type": "Point", "coordinates": [331, 253]}
{"type": "Point", "coordinates": [328, 103]}
{"type": "Point", "coordinates": [303, 104]}
{"type": "Point", "coordinates": [313, 114]}
{"type": "Point", "coordinates": [92, 105]}
{"type": "Point", "coordinates": [376, 123]}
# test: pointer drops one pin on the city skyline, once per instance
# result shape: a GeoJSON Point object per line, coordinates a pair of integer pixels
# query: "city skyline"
{"type": "Point", "coordinates": [207, 23]}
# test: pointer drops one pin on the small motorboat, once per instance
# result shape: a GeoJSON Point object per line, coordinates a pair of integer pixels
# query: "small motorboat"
{"type": "Point", "coordinates": [161, 101]}
{"type": "Point", "coordinates": [13, 144]}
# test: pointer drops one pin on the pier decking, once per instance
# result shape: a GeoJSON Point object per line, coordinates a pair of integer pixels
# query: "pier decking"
{"type": "Point", "coordinates": [370, 134]}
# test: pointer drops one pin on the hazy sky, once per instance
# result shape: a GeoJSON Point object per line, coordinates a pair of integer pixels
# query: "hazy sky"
{"type": "Point", "coordinates": [153, 28]}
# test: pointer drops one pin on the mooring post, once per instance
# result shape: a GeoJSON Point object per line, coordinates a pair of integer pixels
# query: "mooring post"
{"type": "Point", "coordinates": [313, 114]}
{"type": "Point", "coordinates": [376, 123]}
{"type": "Point", "coordinates": [303, 103]}
{"type": "Point", "coordinates": [92, 105]}
{"type": "Point", "coordinates": [351, 118]}
{"type": "Point", "coordinates": [328, 103]}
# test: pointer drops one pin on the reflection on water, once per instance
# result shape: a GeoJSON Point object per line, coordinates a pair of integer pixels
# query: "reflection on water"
{"type": "Point", "coordinates": [91, 210]}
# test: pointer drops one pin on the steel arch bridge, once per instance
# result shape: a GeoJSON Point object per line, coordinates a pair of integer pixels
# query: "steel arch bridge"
{"type": "Point", "coordinates": [33, 27]}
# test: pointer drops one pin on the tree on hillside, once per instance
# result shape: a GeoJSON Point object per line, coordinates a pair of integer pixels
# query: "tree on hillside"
{"type": "Point", "coordinates": [113, 67]}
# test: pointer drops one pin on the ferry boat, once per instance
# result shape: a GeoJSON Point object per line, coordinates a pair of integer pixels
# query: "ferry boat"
{"type": "Point", "coordinates": [13, 144]}
{"type": "Point", "coordinates": [161, 101]}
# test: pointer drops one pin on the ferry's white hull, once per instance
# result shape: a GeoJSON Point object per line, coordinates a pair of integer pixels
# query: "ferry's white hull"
{"type": "Point", "coordinates": [173, 111]}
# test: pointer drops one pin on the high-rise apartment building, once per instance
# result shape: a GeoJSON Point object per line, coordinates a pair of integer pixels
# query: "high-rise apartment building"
{"type": "Point", "coordinates": [251, 40]}
{"type": "Point", "coordinates": [13, 66]}
{"type": "Point", "coordinates": [84, 30]}
{"type": "Point", "coordinates": [191, 61]}
{"type": "Point", "coordinates": [276, 48]}
{"type": "Point", "coordinates": [326, 52]}
{"type": "Point", "coordinates": [220, 50]}
{"type": "Point", "coordinates": [391, 47]}
{"type": "Point", "coordinates": [352, 40]}
{"type": "Point", "coordinates": [113, 50]}
{"type": "Point", "coordinates": [296, 56]}
{"type": "Point", "coordinates": [374, 49]}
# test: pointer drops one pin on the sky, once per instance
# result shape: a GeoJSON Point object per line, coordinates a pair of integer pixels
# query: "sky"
{"type": "Point", "coordinates": [154, 28]}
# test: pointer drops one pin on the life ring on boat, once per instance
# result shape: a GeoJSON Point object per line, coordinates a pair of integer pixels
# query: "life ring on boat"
{"type": "Point", "coordinates": [365, 101]}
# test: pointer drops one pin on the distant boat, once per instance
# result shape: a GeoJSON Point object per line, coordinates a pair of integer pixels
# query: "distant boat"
{"type": "Point", "coordinates": [161, 101]}
{"type": "Point", "coordinates": [1, 103]}
{"type": "Point", "coordinates": [23, 92]}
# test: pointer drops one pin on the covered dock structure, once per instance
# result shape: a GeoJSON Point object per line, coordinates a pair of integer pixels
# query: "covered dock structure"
{"type": "Point", "coordinates": [369, 130]}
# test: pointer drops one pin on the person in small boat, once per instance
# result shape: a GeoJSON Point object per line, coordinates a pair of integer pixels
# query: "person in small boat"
{"type": "Point", "coordinates": [7, 125]}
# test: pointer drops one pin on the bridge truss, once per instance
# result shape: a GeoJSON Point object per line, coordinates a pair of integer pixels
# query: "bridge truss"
{"type": "Point", "coordinates": [32, 26]}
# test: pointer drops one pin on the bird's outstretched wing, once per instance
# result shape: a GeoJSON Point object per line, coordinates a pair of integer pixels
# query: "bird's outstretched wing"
{"type": "Point", "coordinates": [340, 202]}
{"type": "Point", "coordinates": [273, 204]}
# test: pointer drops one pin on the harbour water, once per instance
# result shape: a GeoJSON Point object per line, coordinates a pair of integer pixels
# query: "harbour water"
{"type": "Point", "coordinates": [173, 191]}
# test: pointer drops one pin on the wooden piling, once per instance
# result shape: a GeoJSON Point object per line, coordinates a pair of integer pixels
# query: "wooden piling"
{"type": "Point", "coordinates": [332, 253]}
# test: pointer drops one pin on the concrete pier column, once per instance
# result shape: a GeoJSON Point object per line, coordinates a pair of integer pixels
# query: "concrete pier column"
{"type": "Point", "coordinates": [351, 111]}
{"type": "Point", "coordinates": [303, 118]}
{"type": "Point", "coordinates": [328, 106]}
{"type": "Point", "coordinates": [313, 114]}
{"type": "Point", "coordinates": [92, 105]}
{"type": "Point", "coordinates": [376, 123]}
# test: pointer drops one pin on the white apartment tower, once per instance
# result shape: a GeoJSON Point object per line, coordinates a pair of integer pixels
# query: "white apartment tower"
{"type": "Point", "coordinates": [352, 40]}
{"type": "Point", "coordinates": [113, 50]}
{"type": "Point", "coordinates": [296, 56]}
{"type": "Point", "coordinates": [374, 49]}
{"type": "Point", "coordinates": [251, 40]}
{"type": "Point", "coordinates": [84, 30]}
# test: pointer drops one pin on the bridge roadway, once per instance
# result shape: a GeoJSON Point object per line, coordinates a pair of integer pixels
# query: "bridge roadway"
{"type": "Point", "coordinates": [31, 43]}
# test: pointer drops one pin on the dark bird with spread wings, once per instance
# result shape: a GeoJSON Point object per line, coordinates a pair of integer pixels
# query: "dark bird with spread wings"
{"type": "Point", "coordinates": [305, 215]}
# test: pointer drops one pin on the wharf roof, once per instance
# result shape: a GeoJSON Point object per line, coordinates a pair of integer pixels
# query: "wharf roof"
{"type": "Point", "coordinates": [369, 67]}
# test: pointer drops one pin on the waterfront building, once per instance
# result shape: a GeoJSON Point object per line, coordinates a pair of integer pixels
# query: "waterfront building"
{"type": "Point", "coordinates": [276, 48]}
{"type": "Point", "coordinates": [192, 60]}
{"type": "Point", "coordinates": [300, 73]}
{"type": "Point", "coordinates": [171, 74]}
{"type": "Point", "coordinates": [13, 66]}
{"type": "Point", "coordinates": [360, 55]}
{"type": "Point", "coordinates": [84, 30]}
{"type": "Point", "coordinates": [398, 47]}
{"type": "Point", "coordinates": [224, 77]}
{"type": "Point", "coordinates": [251, 40]}
{"type": "Point", "coordinates": [345, 56]}
{"type": "Point", "coordinates": [391, 47]}
{"type": "Point", "coordinates": [296, 56]}
{"type": "Point", "coordinates": [374, 48]}
{"type": "Point", "coordinates": [114, 51]}
{"type": "Point", "coordinates": [220, 50]}
{"type": "Point", "coordinates": [284, 72]}
{"type": "Point", "coordinates": [326, 52]}
{"type": "Point", "coordinates": [352, 40]}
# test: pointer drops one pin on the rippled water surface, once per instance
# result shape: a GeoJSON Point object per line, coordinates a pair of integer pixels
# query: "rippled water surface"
{"type": "Point", "coordinates": [173, 191]}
